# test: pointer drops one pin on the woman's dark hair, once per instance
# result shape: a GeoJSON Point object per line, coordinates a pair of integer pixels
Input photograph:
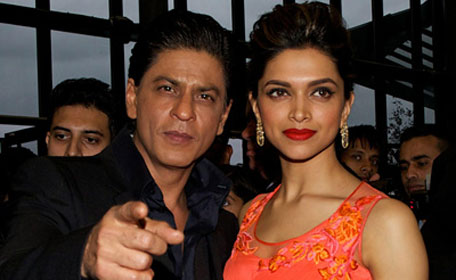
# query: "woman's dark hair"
{"type": "Point", "coordinates": [299, 26]}
{"type": "Point", "coordinates": [180, 30]}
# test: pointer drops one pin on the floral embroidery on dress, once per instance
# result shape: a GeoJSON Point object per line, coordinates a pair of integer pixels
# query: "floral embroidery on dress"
{"type": "Point", "coordinates": [331, 248]}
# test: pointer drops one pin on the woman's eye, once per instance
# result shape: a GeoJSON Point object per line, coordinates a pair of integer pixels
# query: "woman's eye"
{"type": "Point", "coordinates": [277, 92]}
{"type": "Point", "coordinates": [323, 92]}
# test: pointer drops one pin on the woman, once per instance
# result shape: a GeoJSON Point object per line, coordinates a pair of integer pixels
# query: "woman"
{"type": "Point", "coordinates": [321, 222]}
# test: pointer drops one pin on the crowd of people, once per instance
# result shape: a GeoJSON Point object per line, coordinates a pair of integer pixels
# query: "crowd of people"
{"type": "Point", "coordinates": [158, 198]}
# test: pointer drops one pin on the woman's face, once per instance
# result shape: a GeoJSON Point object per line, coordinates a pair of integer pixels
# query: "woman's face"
{"type": "Point", "coordinates": [301, 103]}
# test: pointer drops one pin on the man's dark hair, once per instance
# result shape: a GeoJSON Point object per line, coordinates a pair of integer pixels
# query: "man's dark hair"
{"type": "Point", "coordinates": [366, 134]}
{"type": "Point", "coordinates": [88, 92]}
{"type": "Point", "coordinates": [425, 130]}
{"type": "Point", "coordinates": [177, 30]}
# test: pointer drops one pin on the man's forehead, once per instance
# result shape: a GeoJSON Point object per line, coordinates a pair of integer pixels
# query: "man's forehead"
{"type": "Point", "coordinates": [188, 65]}
{"type": "Point", "coordinates": [422, 145]}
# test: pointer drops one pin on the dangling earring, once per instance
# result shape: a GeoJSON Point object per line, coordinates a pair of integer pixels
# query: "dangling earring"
{"type": "Point", "coordinates": [259, 133]}
{"type": "Point", "coordinates": [344, 135]}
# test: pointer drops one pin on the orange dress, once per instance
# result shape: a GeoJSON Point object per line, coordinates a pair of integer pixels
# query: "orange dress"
{"type": "Point", "coordinates": [325, 252]}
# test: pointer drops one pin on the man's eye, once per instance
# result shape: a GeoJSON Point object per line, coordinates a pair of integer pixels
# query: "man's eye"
{"type": "Point", "coordinates": [206, 96]}
{"type": "Point", "coordinates": [374, 162]}
{"type": "Point", "coordinates": [323, 92]}
{"type": "Point", "coordinates": [91, 140]}
{"type": "Point", "coordinates": [422, 163]}
{"type": "Point", "coordinates": [226, 203]}
{"type": "Point", "coordinates": [403, 167]}
{"type": "Point", "coordinates": [277, 92]}
{"type": "Point", "coordinates": [357, 157]}
{"type": "Point", "coordinates": [165, 88]}
{"type": "Point", "coordinates": [59, 136]}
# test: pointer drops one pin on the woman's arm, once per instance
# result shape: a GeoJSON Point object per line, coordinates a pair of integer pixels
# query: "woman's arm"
{"type": "Point", "coordinates": [392, 246]}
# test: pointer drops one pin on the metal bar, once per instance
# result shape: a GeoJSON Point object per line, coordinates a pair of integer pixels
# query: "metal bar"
{"type": "Point", "coordinates": [117, 57]}
{"type": "Point", "coordinates": [148, 10]}
{"type": "Point", "coordinates": [20, 120]}
{"type": "Point", "coordinates": [417, 61]}
{"type": "Point", "coordinates": [65, 22]}
{"type": "Point", "coordinates": [409, 50]}
{"type": "Point", "coordinates": [44, 63]}
{"type": "Point", "coordinates": [238, 19]}
{"type": "Point", "coordinates": [336, 4]}
{"type": "Point", "coordinates": [380, 93]}
{"type": "Point", "coordinates": [180, 5]}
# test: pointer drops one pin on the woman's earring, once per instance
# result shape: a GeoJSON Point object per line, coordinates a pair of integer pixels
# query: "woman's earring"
{"type": "Point", "coordinates": [344, 135]}
{"type": "Point", "coordinates": [259, 133]}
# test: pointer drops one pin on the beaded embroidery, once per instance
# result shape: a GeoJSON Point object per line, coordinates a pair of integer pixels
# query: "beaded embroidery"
{"type": "Point", "coordinates": [332, 246]}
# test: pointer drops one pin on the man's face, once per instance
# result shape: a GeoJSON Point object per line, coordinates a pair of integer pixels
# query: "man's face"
{"type": "Point", "coordinates": [362, 159]}
{"type": "Point", "coordinates": [77, 130]}
{"type": "Point", "coordinates": [415, 160]}
{"type": "Point", "coordinates": [179, 108]}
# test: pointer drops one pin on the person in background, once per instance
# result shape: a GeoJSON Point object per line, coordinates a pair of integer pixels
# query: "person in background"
{"type": "Point", "coordinates": [419, 147]}
{"type": "Point", "coordinates": [82, 119]}
{"type": "Point", "coordinates": [242, 190]}
{"type": "Point", "coordinates": [321, 222]}
{"type": "Point", "coordinates": [148, 206]}
{"type": "Point", "coordinates": [438, 231]}
{"type": "Point", "coordinates": [363, 152]}
{"type": "Point", "coordinates": [262, 161]}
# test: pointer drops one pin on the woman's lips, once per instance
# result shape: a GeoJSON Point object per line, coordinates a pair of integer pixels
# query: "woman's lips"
{"type": "Point", "coordinates": [299, 134]}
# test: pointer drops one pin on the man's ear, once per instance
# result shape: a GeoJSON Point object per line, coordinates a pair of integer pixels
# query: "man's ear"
{"type": "Point", "coordinates": [224, 117]}
{"type": "Point", "coordinates": [48, 135]}
{"type": "Point", "coordinates": [130, 99]}
{"type": "Point", "coordinates": [347, 108]}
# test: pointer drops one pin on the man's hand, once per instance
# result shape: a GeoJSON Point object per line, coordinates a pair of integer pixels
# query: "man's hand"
{"type": "Point", "coordinates": [121, 244]}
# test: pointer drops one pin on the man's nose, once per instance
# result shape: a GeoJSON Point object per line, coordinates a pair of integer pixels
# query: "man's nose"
{"type": "Point", "coordinates": [411, 172]}
{"type": "Point", "coordinates": [73, 149]}
{"type": "Point", "coordinates": [184, 107]}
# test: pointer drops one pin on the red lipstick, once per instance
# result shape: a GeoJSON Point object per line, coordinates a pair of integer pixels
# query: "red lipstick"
{"type": "Point", "coordinates": [299, 134]}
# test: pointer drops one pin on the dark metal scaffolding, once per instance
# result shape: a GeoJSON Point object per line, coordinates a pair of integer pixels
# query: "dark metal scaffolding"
{"type": "Point", "coordinates": [430, 86]}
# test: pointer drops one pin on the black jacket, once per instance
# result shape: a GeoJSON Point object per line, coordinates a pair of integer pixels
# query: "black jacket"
{"type": "Point", "coordinates": [56, 202]}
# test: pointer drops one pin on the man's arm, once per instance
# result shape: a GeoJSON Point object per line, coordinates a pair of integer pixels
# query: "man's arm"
{"type": "Point", "coordinates": [46, 238]}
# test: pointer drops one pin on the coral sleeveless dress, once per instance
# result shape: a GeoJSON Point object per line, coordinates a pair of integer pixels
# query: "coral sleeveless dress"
{"type": "Point", "coordinates": [325, 252]}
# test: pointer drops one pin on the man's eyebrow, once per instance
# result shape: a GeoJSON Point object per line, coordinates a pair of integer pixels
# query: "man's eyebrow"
{"type": "Point", "coordinates": [93, 132]}
{"type": "Point", "coordinates": [418, 157]}
{"type": "Point", "coordinates": [165, 78]}
{"type": "Point", "coordinates": [60, 128]}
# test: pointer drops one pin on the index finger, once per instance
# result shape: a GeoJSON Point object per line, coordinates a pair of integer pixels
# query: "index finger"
{"type": "Point", "coordinates": [132, 212]}
{"type": "Point", "coordinates": [164, 231]}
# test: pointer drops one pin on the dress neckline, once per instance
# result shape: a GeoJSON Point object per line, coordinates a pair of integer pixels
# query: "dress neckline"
{"type": "Point", "coordinates": [324, 222]}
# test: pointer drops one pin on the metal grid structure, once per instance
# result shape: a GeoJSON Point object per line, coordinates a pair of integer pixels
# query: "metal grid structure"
{"type": "Point", "coordinates": [389, 56]}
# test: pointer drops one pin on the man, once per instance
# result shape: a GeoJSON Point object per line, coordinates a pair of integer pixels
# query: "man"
{"type": "Point", "coordinates": [148, 205]}
{"type": "Point", "coordinates": [81, 119]}
{"type": "Point", "coordinates": [419, 146]}
{"type": "Point", "coordinates": [363, 152]}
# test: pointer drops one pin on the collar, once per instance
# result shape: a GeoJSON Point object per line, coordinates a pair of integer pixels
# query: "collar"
{"type": "Point", "coordinates": [206, 188]}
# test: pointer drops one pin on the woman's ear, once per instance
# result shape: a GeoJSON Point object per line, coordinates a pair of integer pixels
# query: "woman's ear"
{"type": "Point", "coordinates": [347, 108]}
{"type": "Point", "coordinates": [254, 104]}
